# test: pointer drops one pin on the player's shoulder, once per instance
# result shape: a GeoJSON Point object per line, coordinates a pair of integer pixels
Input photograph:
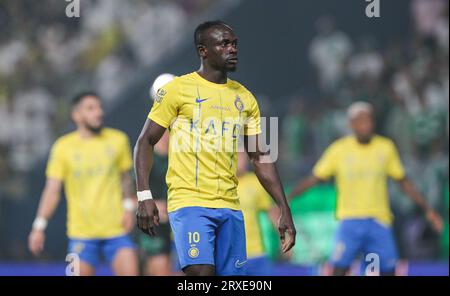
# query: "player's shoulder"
{"type": "Point", "coordinates": [383, 141]}
{"type": "Point", "coordinates": [183, 79]}
{"type": "Point", "coordinates": [342, 142]}
{"type": "Point", "coordinates": [66, 139]}
{"type": "Point", "coordinates": [178, 83]}
{"type": "Point", "coordinates": [110, 132]}
{"type": "Point", "coordinates": [172, 85]}
{"type": "Point", "coordinates": [238, 87]}
{"type": "Point", "coordinates": [242, 92]}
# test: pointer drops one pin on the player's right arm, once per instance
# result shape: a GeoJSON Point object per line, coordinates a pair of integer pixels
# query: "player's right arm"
{"type": "Point", "coordinates": [56, 172]}
{"type": "Point", "coordinates": [303, 185]}
{"type": "Point", "coordinates": [147, 213]}
{"type": "Point", "coordinates": [323, 170]}
{"type": "Point", "coordinates": [164, 111]}
{"type": "Point", "coordinates": [50, 198]}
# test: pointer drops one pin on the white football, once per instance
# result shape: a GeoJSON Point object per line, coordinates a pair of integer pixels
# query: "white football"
{"type": "Point", "coordinates": [159, 82]}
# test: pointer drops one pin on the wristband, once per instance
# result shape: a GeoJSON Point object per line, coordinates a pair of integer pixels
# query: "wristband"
{"type": "Point", "coordinates": [128, 204]}
{"type": "Point", "coordinates": [144, 195]}
{"type": "Point", "coordinates": [40, 223]}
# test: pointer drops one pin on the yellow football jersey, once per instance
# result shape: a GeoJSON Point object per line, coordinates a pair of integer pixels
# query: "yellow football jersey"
{"type": "Point", "coordinates": [205, 120]}
{"type": "Point", "coordinates": [91, 171]}
{"type": "Point", "coordinates": [254, 199]}
{"type": "Point", "coordinates": [361, 173]}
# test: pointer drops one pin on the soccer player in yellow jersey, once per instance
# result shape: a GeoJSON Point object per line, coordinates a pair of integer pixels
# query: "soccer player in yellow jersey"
{"type": "Point", "coordinates": [94, 165]}
{"type": "Point", "coordinates": [254, 200]}
{"type": "Point", "coordinates": [361, 164]}
{"type": "Point", "coordinates": [205, 113]}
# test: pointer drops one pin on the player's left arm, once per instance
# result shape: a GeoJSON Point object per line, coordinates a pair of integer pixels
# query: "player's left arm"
{"type": "Point", "coordinates": [129, 201]}
{"type": "Point", "coordinates": [267, 174]}
{"type": "Point", "coordinates": [411, 191]}
{"type": "Point", "coordinates": [396, 171]}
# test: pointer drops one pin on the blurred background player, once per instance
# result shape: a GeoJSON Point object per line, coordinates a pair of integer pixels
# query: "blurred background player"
{"type": "Point", "coordinates": [157, 249]}
{"type": "Point", "coordinates": [254, 200]}
{"type": "Point", "coordinates": [93, 163]}
{"type": "Point", "coordinates": [361, 164]}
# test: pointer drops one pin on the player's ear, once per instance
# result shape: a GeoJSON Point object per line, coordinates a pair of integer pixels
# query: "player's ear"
{"type": "Point", "coordinates": [202, 51]}
{"type": "Point", "coordinates": [74, 114]}
{"type": "Point", "coordinates": [351, 124]}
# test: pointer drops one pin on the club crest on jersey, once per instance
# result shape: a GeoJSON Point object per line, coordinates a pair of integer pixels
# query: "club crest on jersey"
{"type": "Point", "coordinates": [238, 104]}
{"type": "Point", "coordinates": [160, 95]}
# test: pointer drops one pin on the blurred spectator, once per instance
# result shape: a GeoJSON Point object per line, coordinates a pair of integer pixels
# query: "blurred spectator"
{"type": "Point", "coordinates": [427, 16]}
{"type": "Point", "coordinates": [329, 52]}
{"type": "Point", "coordinates": [366, 63]}
{"type": "Point", "coordinates": [293, 131]}
{"type": "Point", "coordinates": [29, 127]}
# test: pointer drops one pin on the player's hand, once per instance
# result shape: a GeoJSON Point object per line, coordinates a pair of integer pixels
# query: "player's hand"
{"type": "Point", "coordinates": [36, 241]}
{"type": "Point", "coordinates": [162, 211]}
{"type": "Point", "coordinates": [436, 221]}
{"type": "Point", "coordinates": [128, 221]}
{"type": "Point", "coordinates": [286, 225]}
{"type": "Point", "coordinates": [147, 216]}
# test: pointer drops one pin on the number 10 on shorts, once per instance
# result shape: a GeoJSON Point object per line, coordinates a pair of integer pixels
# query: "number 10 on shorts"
{"type": "Point", "coordinates": [194, 237]}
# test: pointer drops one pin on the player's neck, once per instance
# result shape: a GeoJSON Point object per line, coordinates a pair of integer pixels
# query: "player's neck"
{"type": "Point", "coordinates": [212, 75]}
{"type": "Point", "coordinates": [86, 133]}
{"type": "Point", "coordinates": [364, 141]}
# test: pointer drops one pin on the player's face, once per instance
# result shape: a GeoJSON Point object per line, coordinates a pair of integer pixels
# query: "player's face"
{"type": "Point", "coordinates": [363, 126]}
{"type": "Point", "coordinates": [221, 49]}
{"type": "Point", "coordinates": [89, 113]}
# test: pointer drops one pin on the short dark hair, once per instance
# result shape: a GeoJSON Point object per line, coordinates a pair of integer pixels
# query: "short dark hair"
{"type": "Point", "coordinates": [80, 96]}
{"type": "Point", "coordinates": [198, 33]}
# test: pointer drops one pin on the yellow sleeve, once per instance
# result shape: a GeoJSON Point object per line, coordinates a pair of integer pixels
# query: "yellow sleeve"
{"type": "Point", "coordinates": [394, 168]}
{"type": "Point", "coordinates": [125, 160]}
{"type": "Point", "coordinates": [165, 107]}
{"type": "Point", "coordinates": [56, 165]}
{"type": "Point", "coordinates": [252, 125]}
{"type": "Point", "coordinates": [325, 168]}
